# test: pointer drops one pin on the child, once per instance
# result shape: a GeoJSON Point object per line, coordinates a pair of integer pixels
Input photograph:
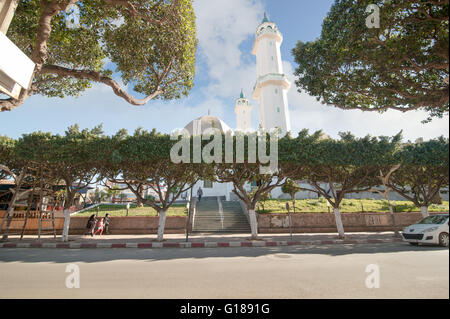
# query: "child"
{"type": "Point", "coordinates": [100, 227]}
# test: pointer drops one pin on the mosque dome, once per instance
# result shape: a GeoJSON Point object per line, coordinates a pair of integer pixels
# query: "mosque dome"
{"type": "Point", "coordinates": [201, 124]}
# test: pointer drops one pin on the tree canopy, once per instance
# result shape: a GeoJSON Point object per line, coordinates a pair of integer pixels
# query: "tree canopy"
{"type": "Point", "coordinates": [152, 44]}
{"type": "Point", "coordinates": [331, 167]}
{"type": "Point", "coordinates": [423, 172]}
{"type": "Point", "coordinates": [402, 65]}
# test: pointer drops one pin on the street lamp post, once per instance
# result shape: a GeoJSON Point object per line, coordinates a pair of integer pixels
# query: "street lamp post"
{"type": "Point", "coordinates": [289, 217]}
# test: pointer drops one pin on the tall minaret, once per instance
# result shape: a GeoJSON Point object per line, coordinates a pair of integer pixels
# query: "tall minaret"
{"type": "Point", "coordinates": [243, 111]}
{"type": "Point", "coordinates": [272, 85]}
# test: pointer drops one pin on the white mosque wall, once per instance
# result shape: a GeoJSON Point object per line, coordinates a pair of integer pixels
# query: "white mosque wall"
{"type": "Point", "coordinates": [217, 189]}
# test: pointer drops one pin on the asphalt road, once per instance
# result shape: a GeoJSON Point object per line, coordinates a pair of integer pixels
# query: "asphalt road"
{"type": "Point", "coordinates": [326, 271]}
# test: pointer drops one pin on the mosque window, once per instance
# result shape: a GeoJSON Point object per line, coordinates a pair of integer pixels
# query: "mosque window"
{"type": "Point", "coordinates": [272, 58]}
{"type": "Point", "coordinates": [278, 109]}
{"type": "Point", "coordinates": [207, 184]}
{"type": "Point", "coordinates": [276, 91]}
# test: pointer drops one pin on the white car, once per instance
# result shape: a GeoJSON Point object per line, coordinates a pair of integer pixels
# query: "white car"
{"type": "Point", "coordinates": [430, 230]}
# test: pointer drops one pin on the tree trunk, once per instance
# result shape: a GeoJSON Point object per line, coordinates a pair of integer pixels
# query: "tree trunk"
{"type": "Point", "coordinates": [139, 202]}
{"type": "Point", "coordinates": [65, 232]}
{"type": "Point", "coordinates": [339, 225]}
{"type": "Point", "coordinates": [161, 225]}
{"type": "Point", "coordinates": [424, 211]}
{"type": "Point", "coordinates": [11, 205]}
{"type": "Point", "coordinates": [253, 223]}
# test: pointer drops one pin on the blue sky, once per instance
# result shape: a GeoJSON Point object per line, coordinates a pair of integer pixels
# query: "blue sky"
{"type": "Point", "coordinates": [224, 65]}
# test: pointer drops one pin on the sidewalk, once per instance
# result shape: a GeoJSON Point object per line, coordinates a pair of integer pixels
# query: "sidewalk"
{"type": "Point", "coordinates": [197, 240]}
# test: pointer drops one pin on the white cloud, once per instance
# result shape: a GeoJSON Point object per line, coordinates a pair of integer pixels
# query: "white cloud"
{"type": "Point", "coordinates": [222, 26]}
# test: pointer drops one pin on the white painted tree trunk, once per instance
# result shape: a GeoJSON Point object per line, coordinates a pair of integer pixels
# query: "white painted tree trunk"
{"type": "Point", "coordinates": [161, 225]}
{"type": "Point", "coordinates": [65, 231]}
{"type": "Point", "coordinates": [339, 225]}
{"type": "Point", "coordinates": [424, 211]}
{"type": "Point", "coordinates": [253, 223]}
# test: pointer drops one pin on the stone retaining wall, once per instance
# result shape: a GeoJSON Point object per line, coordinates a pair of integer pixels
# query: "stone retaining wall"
{"type": "Point", "coordinates": [133, 225]}
{"type": "Point", "coordinates": [267, 223]}
{"type": "Point", "coordinates": [325, 222]}
{"type": "Point", "coordinates": [33, 222]}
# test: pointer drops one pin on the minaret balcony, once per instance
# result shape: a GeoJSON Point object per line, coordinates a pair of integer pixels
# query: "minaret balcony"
{"type": "Point", "coordinates": [270, 79]}
{"type": "Point", "coordinates": [266, 31]}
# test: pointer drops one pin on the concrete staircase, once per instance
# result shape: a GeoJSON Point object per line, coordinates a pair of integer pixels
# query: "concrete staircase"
{"type": "Point", "coordinates": [208, 218]}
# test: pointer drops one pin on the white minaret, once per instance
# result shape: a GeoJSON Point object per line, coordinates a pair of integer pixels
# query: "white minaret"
{"type": "Point", "coordinates": [243, 111]}
{"type": "Point", "coordinates": [272, 85]}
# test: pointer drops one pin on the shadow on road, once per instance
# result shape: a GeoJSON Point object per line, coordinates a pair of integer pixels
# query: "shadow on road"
{"type": "Point", "coordinates": [55, 255]}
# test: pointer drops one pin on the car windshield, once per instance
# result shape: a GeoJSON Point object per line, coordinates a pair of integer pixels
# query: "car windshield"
{"type": "Point", "coordinates": [437, 219]}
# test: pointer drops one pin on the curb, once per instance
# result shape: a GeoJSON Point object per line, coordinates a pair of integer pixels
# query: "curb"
{"type": "Point", "coordinates": [75, 245]}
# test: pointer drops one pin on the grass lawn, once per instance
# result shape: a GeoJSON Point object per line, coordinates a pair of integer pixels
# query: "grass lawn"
{"type": "Point", "coordinates": [121, 210]}
{"type": "Point", "coordinates": [347, 206]}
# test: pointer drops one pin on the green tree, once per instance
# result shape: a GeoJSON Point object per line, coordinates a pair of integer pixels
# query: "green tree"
{"type": "Point", "coordinates": [403, 65]}
{"type": "Point", "coordinates": [250, 184]}
{"type": "Point", "coordinates": [8, 160]}
{"type": "Point", "coordinates": [242, 176]}
{"type": "Point", "coordinates": [142, 161]}
{"type": "Point", "coordinates": [151, 42]}
{"type": "Point", "coordinates": [340, 167]}
{"type": "Point", "coordinates": [71, 158]}
{"type": "Point", "coordinates": [424, 171]}
{"type": "Point", "coordinates": [263, 198]}
{"type": "Point", "coordinates": [291, 188]}
{"type": "Point", "coordinates": [383, 179]}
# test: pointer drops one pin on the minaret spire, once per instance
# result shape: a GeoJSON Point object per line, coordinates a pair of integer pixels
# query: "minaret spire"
{"type": "Point", "coordinates": [243, 111]}
{"type": "Point", "coordinates": [272, 84]}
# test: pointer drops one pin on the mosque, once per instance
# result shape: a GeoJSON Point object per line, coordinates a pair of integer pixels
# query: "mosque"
{"type": "Point", "coordinates": [270, 91]}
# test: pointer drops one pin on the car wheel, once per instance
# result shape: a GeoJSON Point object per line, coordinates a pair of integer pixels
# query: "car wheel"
{"type": "Point", "coordinates": [414, 244]}
{"type": "Point", "coordinates": [443, 239]}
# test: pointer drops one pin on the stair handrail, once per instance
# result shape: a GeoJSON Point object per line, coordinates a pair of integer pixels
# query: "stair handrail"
{"type": "Point", "coordinates": [85, 209]}
{"type": "Point", "coordinates": [219, 203]}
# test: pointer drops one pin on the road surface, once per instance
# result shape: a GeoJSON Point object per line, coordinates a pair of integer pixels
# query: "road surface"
{"type": "Point", "coordinates": [324, 271]}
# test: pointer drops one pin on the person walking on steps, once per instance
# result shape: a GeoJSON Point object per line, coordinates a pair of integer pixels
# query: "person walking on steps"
{"type": "Point", "coordinates": [199, 193]}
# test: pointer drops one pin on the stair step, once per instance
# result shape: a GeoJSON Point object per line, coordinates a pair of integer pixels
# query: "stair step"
{"type": "Point", "coordinates": [209, 219]}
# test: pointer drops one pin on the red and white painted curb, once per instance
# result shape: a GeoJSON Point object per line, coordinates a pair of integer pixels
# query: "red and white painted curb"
{"type": "Point", "coordinates": [195, 244]}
